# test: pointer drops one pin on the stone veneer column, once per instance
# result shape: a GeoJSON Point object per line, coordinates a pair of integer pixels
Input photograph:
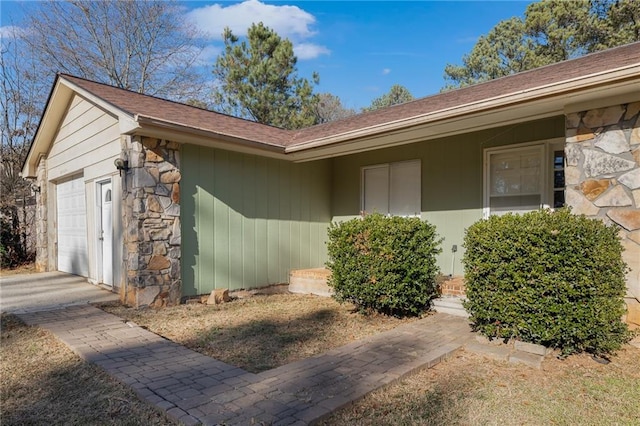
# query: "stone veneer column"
{"type": "Point", "coordinates": [42, 255]}
{"type": "Point", "coordinates": [603, 179]}
{"type": "Point", "coordinates": [152, 238]}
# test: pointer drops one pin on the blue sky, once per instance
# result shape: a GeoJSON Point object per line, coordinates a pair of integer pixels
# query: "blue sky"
{"type": "Point", "coordinates": [359, 48]}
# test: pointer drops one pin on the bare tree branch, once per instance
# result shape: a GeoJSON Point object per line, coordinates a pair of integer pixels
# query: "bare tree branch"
{"type": "Point", "coordinates": [144, 46]}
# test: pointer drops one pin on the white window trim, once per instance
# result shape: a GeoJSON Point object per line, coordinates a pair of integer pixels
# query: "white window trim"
{"type": "Point", "coordinates": [548, 145]}
{"type": "Point", "coordinates": [363, 170]}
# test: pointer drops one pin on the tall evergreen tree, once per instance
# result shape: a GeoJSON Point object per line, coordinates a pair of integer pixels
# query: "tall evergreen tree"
{"type": "Point", "coordinates": [551, 31]}
{"type": "Point", "coordinates": [504, 50]}
{"type": "Point", "coordinates": [258, 80]}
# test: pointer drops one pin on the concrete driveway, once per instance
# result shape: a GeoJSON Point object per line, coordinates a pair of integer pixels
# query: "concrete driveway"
{"type": "Point", "coordinates": [48, 290]}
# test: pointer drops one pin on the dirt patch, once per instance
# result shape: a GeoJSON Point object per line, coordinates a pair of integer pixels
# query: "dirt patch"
{"type": "Point", "coordinates": [471, 389]}
{"type": "Point", "coordinates": [261, 332]}
{"type": "Point", "coordinates": [43, 383]}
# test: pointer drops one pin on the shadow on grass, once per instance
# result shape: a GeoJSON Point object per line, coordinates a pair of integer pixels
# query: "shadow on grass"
{"type": "Point", "coordinates": [260, 345]}
{"type": "Point", "coordinates": [312, 388]}
{"type": "Point", "coordinates": [44, 383]}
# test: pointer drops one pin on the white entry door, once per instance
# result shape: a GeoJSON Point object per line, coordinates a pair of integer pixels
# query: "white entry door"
{"type": "Point", "coordinates": [105, 234]}
{"type": "Point", "coordinates": [72, 227]}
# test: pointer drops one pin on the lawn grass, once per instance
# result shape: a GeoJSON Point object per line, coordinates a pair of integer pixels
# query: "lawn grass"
{"type": "Point", "coordinates": [261, 332]}
{"type": "Point", "coordinates": [43, 383]}
{"type": "Point", "coordinates": [469, 389]}
{"type": "Point", "coordinates": [268, 331]}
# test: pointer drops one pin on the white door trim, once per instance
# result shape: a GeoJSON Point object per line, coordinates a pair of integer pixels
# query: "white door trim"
{"type": "Point", "coordinates": [104, 231]}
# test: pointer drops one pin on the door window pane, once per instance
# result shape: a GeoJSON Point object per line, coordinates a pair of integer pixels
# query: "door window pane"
{"type": "Point", "coordinates": [516, 180]}
{"type": "Point", "coordinates": [558, 179]}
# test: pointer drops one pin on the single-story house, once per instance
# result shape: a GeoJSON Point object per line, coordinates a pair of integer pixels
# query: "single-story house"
{"type": "Point", "coordinates": [162, 200]}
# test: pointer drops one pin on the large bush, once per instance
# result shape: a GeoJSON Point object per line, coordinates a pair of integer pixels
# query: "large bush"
{"type": "Point", "coordinates": [385, 264]}
{"type": "Point", "coordinates": [550, 278]}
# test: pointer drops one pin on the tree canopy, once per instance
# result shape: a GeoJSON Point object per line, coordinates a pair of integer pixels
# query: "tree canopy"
{"type": "Point", "coordinates": [551, 31]}
{"type": "Point", "coordinates": [329, 108]}
{"type": "Point", "coordinates": [396, 95]}
{"type": "Point", "coordinates": [144, 46]}
{"type": "Point", "coordinates": [258, 80]}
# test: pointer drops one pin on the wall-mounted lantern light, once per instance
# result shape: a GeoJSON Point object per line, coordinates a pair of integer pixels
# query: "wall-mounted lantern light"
{"type": "Point", "coordinates": [121, 164]}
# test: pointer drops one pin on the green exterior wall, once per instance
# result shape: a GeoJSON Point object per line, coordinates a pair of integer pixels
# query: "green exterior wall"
{"type": "Point", "coordinates": [248, 220]}
{"type": "Point", "coordinates": [452, 178]}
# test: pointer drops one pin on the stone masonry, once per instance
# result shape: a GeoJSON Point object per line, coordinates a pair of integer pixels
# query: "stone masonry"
{"type": "Point", "coordinates": [151, 210]}
{"type": "Point", "coordinates": [603, 179]}
{"type": "Point", "coordinates": [42, 242]}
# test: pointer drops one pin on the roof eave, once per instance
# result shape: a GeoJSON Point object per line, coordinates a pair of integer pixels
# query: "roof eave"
{"type": "Point", "coordinates": [159, 128]}
{"type": "Point", "coordinates": [56, 107]}
{"type": "Point", "coordinates": [549, 99]}
{"type": "Point", "coordinates": [58, 99]}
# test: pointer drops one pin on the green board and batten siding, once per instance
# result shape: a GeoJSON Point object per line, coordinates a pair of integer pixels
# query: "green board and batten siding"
{"type": "Point", "coordinates": [452, 178]}
{"type": "Point", "coordinates": [248, 220]}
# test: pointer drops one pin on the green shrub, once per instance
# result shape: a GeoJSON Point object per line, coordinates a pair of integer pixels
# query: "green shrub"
{"type": "Point", "coordinates": [550, 278]}
{"type": "Point", "coordinates": [385, 264]}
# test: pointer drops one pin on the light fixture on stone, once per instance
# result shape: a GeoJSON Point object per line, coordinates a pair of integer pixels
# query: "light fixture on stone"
{"type": "Point", "coordinates": [121, 164]}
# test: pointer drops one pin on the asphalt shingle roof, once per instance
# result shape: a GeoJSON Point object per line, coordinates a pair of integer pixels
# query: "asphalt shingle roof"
{"type": "Point", "coordinates": [209, 121]}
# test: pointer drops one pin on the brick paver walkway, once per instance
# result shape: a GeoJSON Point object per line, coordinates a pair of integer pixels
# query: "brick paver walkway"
{"type": "Point", "coordinates": [195, 388]}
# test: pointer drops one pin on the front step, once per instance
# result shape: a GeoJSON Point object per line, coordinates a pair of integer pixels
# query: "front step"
{"type": "Point", "coordinates": [451, 305]}
{"type": "Point", "coordinates": [310, 281]}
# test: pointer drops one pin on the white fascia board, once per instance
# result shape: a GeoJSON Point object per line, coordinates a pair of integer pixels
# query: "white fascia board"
{"type": "Point", "coordinates": [483, 119]}
{"type": "Point", "coordinates": [54, 111]}
{"type": "Point", "coordinates": [61, 96]}
{"type": "Point", "coordinates": [558, 89]}
{"type": "Point", "coordinates": [422, 133]}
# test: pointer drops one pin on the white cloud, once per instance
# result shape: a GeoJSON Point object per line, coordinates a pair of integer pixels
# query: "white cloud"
{"type": "Point", "coordinates": [309, 50]}
{"type": "Point", "coordinates": [288, 21]}
{"type": "Point", "coordinates": [386, 71]}
{"type": "Point", "coordinates": [12, 31]}
{"type": "Point", "coordinates": [208, 55]}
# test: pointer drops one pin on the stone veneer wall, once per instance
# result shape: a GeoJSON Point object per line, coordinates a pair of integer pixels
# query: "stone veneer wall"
{"type": "Point", "coordinates": [152, 238]}
{"type": "Point", "coordinates": [42, 242]}
{"type": "Point", "coordinates": [603, 179]}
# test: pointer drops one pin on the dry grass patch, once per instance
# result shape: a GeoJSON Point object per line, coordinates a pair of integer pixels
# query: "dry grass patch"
{"type": "Point", "coordinates": [43, 383]}
{"type": "Point", "coordinates": [469, 389]}
{"type": "Point", "coordinates": [261, 332]}
{"type": "Point", "coordinates": [27, 268]}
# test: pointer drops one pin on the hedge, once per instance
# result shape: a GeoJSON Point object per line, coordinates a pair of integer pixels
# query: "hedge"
{"type": "Point", "coordinates": [384, 264]}
{"type": "Point", "coordinates": [551, 278]}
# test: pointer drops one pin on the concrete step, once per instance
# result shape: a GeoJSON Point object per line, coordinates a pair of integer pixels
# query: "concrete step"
{"type": "Point", "coordinates": [451, 305]}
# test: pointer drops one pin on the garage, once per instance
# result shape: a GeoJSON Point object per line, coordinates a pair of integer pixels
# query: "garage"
{"type": "Point", "coordinates": [72, 227]}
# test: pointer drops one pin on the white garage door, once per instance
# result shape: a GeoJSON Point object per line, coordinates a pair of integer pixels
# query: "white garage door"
{"type": "Point", "coordinates": [72, 227]}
